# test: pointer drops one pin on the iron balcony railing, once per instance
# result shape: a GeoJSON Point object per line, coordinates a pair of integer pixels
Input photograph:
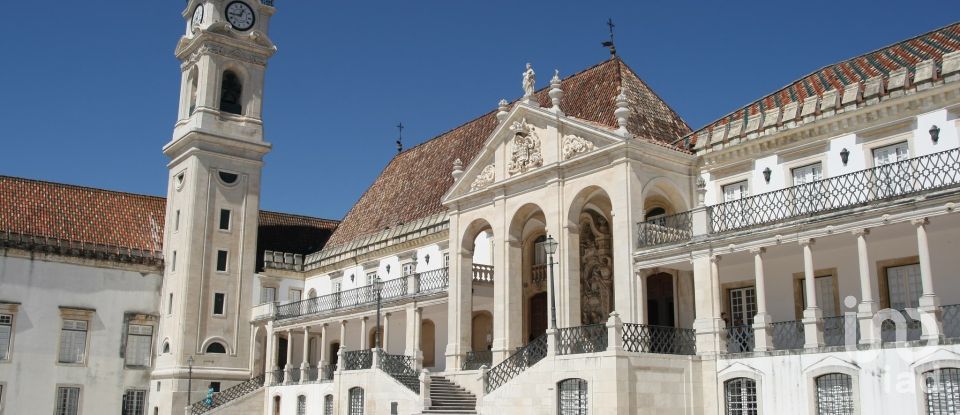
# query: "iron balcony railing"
{"type": "Point", "coordinates": [643, 338]}
{"type": "Point", "coordinates": [951, 321]}
{"type": "Point", "coordinates": [358, 360]}
{"type": "Point", "coordinates": [666, 229]}
{"type": "Point", "coordinates": [787, 335]}
{"type": "Point", "coordinates": [401, 368]}
{"type": "Point", "coordinates": [474, 360]}
{"type": "Point", "coordinates": [582, 339]}
{"type": "Point", "coordinates": [512, 366]}
{"type": "Point", "coordinates": [912, 327]}
{"type": "Point", "coordinates": [740, 339]}
{"type": "Point", "coordinates": [394, 289]}
{"type": "Point", "coordinates": [227, 395]}
{"type": "Point", "coordinates": [482, 273]}
{"type": "Point", "coordinates": [277, 377]}
{"type": "Point", "coordinates": [889, 181]}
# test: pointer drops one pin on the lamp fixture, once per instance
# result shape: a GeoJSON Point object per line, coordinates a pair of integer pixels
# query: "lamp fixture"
{"type": "Point", "coordinates": [844, 156]}
{"type": "Point", "coordinates": [766, 174]}
{"type": "Point", "coordinates": [550, 245]}
{"type": "Point", "coordinates": [935, 134]}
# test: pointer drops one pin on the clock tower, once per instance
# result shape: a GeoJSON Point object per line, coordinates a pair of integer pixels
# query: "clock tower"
{"type": "Point", "coordinates": [213, 198]}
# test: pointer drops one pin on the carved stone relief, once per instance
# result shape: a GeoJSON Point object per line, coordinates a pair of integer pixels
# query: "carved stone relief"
{"type": "Point", "coordinates": [484, 179]}
{"type": "Point", "coordinates": [596, 268]}
{"type": "Point", "coordinates": [573, 145]}
{"type": "Point", "coordinates": [525, 149]}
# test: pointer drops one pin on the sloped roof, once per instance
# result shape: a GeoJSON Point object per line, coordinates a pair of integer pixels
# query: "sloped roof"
{"type": "Point", "coordinates": [86, 218]}
{"type": "Point", "coordinates": [411, 186]}
{"type": "Point", "coordinates": [879, 63]}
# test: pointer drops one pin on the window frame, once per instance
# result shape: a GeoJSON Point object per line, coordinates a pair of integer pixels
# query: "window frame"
{"type": "Point", "coordinates": [811, 384]}
{"type": "Point", "coordinates": [263, 291]}
{"type": "Point", "coordinates": [229, 218]}
{"type": "Point", "coordinates": [351, 410]}
{"type": "Point", "coordinates": [206, 347]}
{"type": "Point", "coordinates": [149, 344]}
{"type": "Point", "coordinates": [223, 305]}
{"type": "Point", "coordinates": [799, 286]}
{"type": "Point", "coordinates": [301, 404]}
{"type": "Point", "coordinates": [8, 357]}
{"type": "Point", "coordinates": [583, 397]}
{"type": "Point", "coordinates": [724, 383]}
{"type": "Point", "coordinates": [56, 398]}
{"type": "Point", "coordinates": [79, 315]}
{"type": "Point", "coordinates": [143, 402]}
{"type": "Point", "coordinates": [290, 293]}
{"type": "Point", "coordinates": [226, 261]}
{"type": "Point", "coordinates": [328, 404]}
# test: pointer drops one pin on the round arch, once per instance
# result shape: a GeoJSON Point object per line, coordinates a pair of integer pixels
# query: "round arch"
{"type": "Point", "coordinates": [210, 340]}
{"type": "Point", "coordinates": [663, 193]}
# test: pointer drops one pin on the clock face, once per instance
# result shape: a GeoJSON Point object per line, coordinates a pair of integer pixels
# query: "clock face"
{"type": "Point", "coordinates": [240, 15]}
{"type": "Point", "coordinates": [198, 15]}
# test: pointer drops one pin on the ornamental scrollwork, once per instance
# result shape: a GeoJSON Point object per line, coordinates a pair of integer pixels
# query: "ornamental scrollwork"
{"type": "Point", "coordinates": [525, 150]}
{"type": "Point", "coordinates": [574, 145]}
{"type": "Point", "coordinates": [484, 179]}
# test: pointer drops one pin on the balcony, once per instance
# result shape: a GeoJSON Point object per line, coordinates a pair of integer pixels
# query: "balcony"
{"type": "Point", "coordinates": [393, 290]}
{"type": "Point", "coordinates": [265, 311]}
{"type": "Point", "coordinates": [889, 182]}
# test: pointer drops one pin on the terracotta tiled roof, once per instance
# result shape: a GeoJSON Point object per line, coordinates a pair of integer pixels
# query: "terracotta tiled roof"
{"type": "Point", "coordinates": [126, 221]}
{"type": "Point", "coordinates": [412, 184]}
{"type": "Point", "coordinates": [879, 63]}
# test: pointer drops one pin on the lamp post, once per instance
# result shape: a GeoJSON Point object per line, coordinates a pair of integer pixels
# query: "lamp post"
{"type": "Point", "coordinates": [377, 286]}
{"type": "Point", "coordinates": [550, 246]}
{"type": "Point", "coordinates": [189, 380]}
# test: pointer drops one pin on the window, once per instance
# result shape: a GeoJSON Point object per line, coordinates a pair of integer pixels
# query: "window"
{"type": "Point", "coordinates": [133, 402]}
{"type": "Point", "coordinates": [230, 92]}
{"type": "Point", "coordinates": [328, 405]}
{"type": "Point", "coordinates": [735, 191]}
{"type": "Point", "coordinates": [295, 295]}
{"type": "Point", "coordinates": [139, 338]}
{"type": "Point", "coordinates": [572, 397]}
{"type": "Point", "coordinates": [214, 386]}
{"type": "Point", "coordinates": [408, 269]}
{"type": "Point", "coordinates": [176, 221]}
{"type": "Point", "coordinates": [743, 308]}
{"type": "Point", "coordinates": [892, 178]}
{"type": "Point", "coordinates": [806, 195]}
{"type": "Point", "coordinates": [225, 219]}
{"type": "Point", "coordinates": [218, 300]}
{"type": "Point", "coordinates": [356, 401]}
{"type": "Point", "coordinates": [166, 347]}
{"type": "Point", "coordinates": [741, 396]}
{"type": "Point", "coordinates": [370, 276]}
{"type": "Point", "coordinates": [68, 401]}
{"type": "Point", "coordinates": [655, 212]}
{"type": "Point", "coordinates": [834, 394]}
{"type": "Point", "coordinates": [446, 260]}
{"type": "Point", "coordinates": [228, 178]}
{"type": "Point", "coordinates": [903, 286]}
{"type": "Point", "coordinates": [173, 262]}
{"type": "Point", "coordinates": [539, 251]}
{"type": "Point", "coordinates": [736, 213]}
{"type": "Point", "coordinates": [216, 347]}
{"type": "Point", "coordinates": [73, 341]}
{"type": "Point", "coordinates": [826, 295]}
{"type": "Point", "coordinates": [942, 391]}
{"type": "Point", "coordinates": [6, 334]}
{"type": "Point", "coordinates": [158, 386]}
{"type": "Point", "coordinates": [222, 261]}
{"type": "Point", "coordinates": [268, 295]}
{"type": "Point", "coordinates": [170, 303]}
{"type": "Point", "coordinates": [301, 405]}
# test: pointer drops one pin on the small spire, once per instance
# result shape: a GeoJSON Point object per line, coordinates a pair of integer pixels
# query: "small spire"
{"type": "Point", "coordinates": [622, 112]}
{"type": "Point", "coordinates": [609, 43]}
{"type": "Point", "coordinates": [556, 94]}
{"type": "Point", "coordinates": [457, 169]}
{"type": "Point", "coordinates": [400, 138]}
{"type": "Point", "coordinates": [503, 110]}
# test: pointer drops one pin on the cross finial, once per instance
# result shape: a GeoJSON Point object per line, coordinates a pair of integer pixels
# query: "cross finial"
{"type": "Point", "coordinates": [611, 26]}
{"type": "Point", "coordinates": [609, 43]}
{"type": "Point", "coordinates": [400, 138]}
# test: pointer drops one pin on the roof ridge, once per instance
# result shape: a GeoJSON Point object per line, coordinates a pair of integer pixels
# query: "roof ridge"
{"type": "Point", "coordinates": [812, 73]}
{"type": "Point", "coordinates": [652, 91]}
{"type": "Point", "coordinates": [299, 215]}
{"type": "Point", "coordinates": [81, 187]}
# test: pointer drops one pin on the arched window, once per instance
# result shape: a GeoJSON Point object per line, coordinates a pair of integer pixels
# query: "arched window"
{"type": "Point", "coordinates": [356, 401]}
{"type": "Point", "coordinates": [301, 405]}
{"type": "Point", "coordinates": [276, 405]}
{"type": "Point", "coordinates": [231, 89]}
{"type": "Point", "coordinates": [572, 397]}
{"type": "Point", "coordinates": [655, 212]}
{"type": "Point", "coordinates": [741, 396]}
{"type": "Point", "coordinates": [216, 347]}
{"type": "Point", "coordinates": [328, 405]}
{"type": "Point", "coordinates": [942, 390]}
{"type": "Point", "coordinates": [834, 394]}
{"type": "Point", "coordinates": [166, 347]}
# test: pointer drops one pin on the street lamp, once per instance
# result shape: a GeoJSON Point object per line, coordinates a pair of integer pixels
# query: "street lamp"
{"type": "Point", "coordinates": [189, 380]}
{"type": "Point", "coordinates": [377, 286]}
{"type": "Point", "coordinates": [550, 246]}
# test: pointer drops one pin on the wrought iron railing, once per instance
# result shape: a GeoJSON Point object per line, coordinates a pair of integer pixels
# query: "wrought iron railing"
{"type": "Point", "coordinates": [835, 331]}
{"type": "Point", "coordinates": [357, 360]}
{"type": "Point", "coordinates": [482, 273]}
{"type": "Point", "coordinates": [889, 181]}
{"type": "Point", "coordinates": [666, 229]}
{"type": "Point", "coordinates": [294, 374]}
{"type": "Point", "coordinates": [473, 360]}
{"type": "Point", "coordinates": [643, 338]}
{"type": "Point", "coordinates": [582, 339]}
{"type": "Point", "coordinates": [787, 335]}
{"type": "Point", "coordinates": [326, 373]}
{"type": "Point", "coordinates": [512, 366]}
{"type": "Point", "coordinates": [393, 289]}
{"type": "Point", "coordinates": [740, 339]}
{"type": "Point", "coordinates": [913, 329]}
{"type": "Point", "coordinates": [311, 374]}
{"type": "Point", "coordinates": [401, 368]}
{"type": "Point", "coordinates": [227, 395]}
{"type": "Point", "coordinates": [277, 377]}
{"type": "Point", "coordinates": [951, 321]}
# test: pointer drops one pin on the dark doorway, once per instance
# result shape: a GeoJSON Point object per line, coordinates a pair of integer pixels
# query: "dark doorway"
{"type": "Point", "coordinates": [660, 300]}
{"type": "Point", "coordinates": [334, 357]}
{"type": "Point", "coordinates": [538, 315]}
{"type": "Point", "coordinates": [282, 353]}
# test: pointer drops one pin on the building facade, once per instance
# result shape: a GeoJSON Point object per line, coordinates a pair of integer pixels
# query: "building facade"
{"type": "Point", "coordinates": [579, 250]}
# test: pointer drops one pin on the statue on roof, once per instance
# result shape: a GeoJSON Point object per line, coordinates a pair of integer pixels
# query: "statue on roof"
{"type": "Point", "coordinates": [529, 81]}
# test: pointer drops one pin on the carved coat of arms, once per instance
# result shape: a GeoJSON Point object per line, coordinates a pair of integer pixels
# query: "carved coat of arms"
{"type": "Point", "coordinates": [525, 150]}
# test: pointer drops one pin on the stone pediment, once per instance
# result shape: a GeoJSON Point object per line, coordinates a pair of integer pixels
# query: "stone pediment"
{"type": "Point", "coordinates": [528, 140]}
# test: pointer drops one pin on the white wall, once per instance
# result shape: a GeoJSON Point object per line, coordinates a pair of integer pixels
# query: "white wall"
{"type": "Point", "coordinates": [32, 374]}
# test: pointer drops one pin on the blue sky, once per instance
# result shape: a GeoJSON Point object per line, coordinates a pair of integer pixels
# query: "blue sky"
{"type": "Point", "coordinates": [90, 88]}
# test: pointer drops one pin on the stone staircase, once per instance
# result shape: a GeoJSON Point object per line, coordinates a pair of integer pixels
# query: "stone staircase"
{"type": "Point", "coordinates": [447, 397]}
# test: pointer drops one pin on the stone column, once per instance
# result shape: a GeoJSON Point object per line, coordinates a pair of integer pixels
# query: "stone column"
{"type": "Point", "coordinates": [507, 300]}
{"type": "Point", "coordinates": [868, 305]}
{"type": "Point", "coordinates": [324, 344]}
{"type": "Point", "coordinates": [459, 314]}
{"type": "Point", "coordinates": [642, 316]}
{"type": "Point", "coordinates": [305, 365]}
{"type": "Point", "coordinates": [386, 333]}
{"type": "Point", "coordinates": [287, 379]}
{"type": "Point", "coordinates": [812, 314]}
{"type": "Point", "coordinates": [929, 302]}
{"type": "Point", "coordinates": [709, 326]}
{"type": "Point", "coordinates": [343, 334]}
{"type": "Point", "coordinates": [762, 334]}
{"type": "Point", "coordinates": [272, 354]}
{"type": "Point", "coordinates": [364, 340]}
{"type": "Point", "coordinates": [416, 352]}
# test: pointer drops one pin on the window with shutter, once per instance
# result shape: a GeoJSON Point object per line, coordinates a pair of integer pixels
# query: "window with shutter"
{"type": "Point", "coordinates": [835, 394]}
{"type": "Point", "coordinates": [68, 401]}
{"type": "Point", "coordinates": [6, 334]}
{"type": "Point", "coordinates": [73, 341]}
{"type": "Point", "coordinates": [139, 339]}
{"type": "Point", "coordinates": [133, 402]}
{"type": "Point", "coordinates": [741, 396]}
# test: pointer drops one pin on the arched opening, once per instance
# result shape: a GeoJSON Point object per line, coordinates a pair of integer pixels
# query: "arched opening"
{"type": "Point", "coordinates": [260, 351]}
{"type": "Point", "coordinates": [482, 331]}
{"type": "Point", "coordinates": [166, 347]}
{"type": "Point", "coordinates": [231, 91]}
{"type": "Point", "coordinates": [528, 259]}
{"type": "Point", "coordinates": [301, 405]}
{"type": "Point", "coordinates": [591, 264]}
{"type": "Point", "coordinates": [740, 395]}
{"type": "Point", "coordinates": [476, 260]}
{"type": "Point", "coordinates": [660, 300]}
{"type": "Point", "coordinates": [372, 337]}
{"type": "Point", "coordinates": [312, 350]}
{"type": "Point", "coordinates": [276, 405]}
{"type": "Point", "coordinates": [572, 397]}
{"type": "Point", "coordinates": [537, 322]}
{"type": "Point", "coordinates": [428, 343]}
{"type": "Point", "coordinates": [216, 347]}
{"type": "Point", "coordinates": [662, 197]}
{"type": "Point", "coordinates": [328, 405]}
{"type": "Point", "coordinates": [282, 353]}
